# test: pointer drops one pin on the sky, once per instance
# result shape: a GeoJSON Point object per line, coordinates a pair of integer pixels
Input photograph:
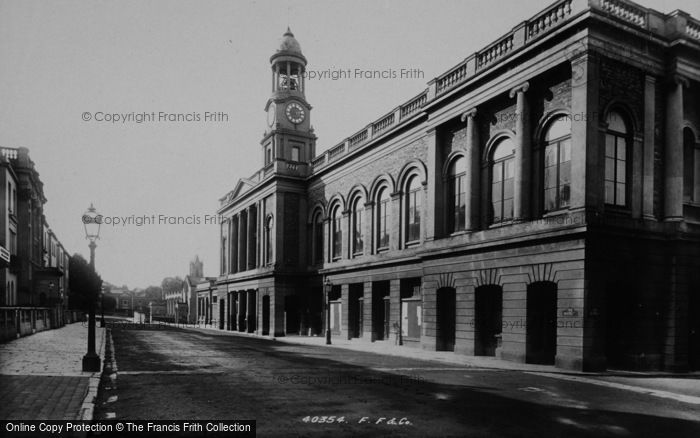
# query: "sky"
{"type": "Point", "coordinates": [67, 66]}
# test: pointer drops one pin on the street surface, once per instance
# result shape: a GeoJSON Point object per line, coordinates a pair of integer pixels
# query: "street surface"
{"type": "Point", "coordinates": [305, 390]}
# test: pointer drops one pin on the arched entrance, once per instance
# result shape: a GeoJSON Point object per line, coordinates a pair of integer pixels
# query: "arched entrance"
{"type": "Point", "coordinates": [488, 319]}
{"type": "Point", "coordinates": [541, 337]}
{"type": "Point", "coordinates": [265, 315]}
{"type": "Point", "coordinates": [446, 319]}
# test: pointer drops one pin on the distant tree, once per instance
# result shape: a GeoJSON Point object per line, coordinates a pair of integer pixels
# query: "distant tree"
{"type": "Point", "coordinates": [84, 283]}
{"type": "Point", "coordinates": [110, 303]}
{"type": "Point", "coordinates": [153, 293]}
{"type": "Point", "coordinates": [171, 285]}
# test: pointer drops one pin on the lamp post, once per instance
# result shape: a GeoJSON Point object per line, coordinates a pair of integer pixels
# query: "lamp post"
{"type": "Point", "coordinates": [328, 286]}
{"type": "Point", "coordinates": [91, 222]}
{"type": "Point", "coordinates": [102, 307]}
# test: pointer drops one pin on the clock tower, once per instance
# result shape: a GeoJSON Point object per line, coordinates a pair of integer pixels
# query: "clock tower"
{"type": "Point", "coordinates": [289, 135]}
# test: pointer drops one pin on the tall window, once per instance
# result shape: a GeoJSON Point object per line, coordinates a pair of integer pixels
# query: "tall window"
{"type": "Point", "coordinates": [336, 233]}
{"type": "Point", "coordinates": [616, 160]}
{"type": "Point", "coordinates": [557, 164]}
{"type": "Point", "coordinates": [690, 157]}
{"type": "Point", "coordinates": [295, 153]}
{"type": "Point", "coordinates": [318, 238]}
{"type": "Point", "coordinates": [502, 184]}
{"type": "Point", "coordinates": [383, 219]}
{"type": "Point", "coordinates": [456, 196]}
{"type": "Point", "coordinates": [269, 224]}
{"type": "Point", "coordinates": [268, 154]}
{"type": "Point", "coordinates": [414, 201]}
{"type": "Point", "coordinates": [357, 236]}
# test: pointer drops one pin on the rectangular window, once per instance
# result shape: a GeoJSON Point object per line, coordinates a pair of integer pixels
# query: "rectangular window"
{"type": "Point", "coordinates": [615, 170]}
{"type": "Point", "coordinates": [502, 190]}
{"type": "Point", "coordinates": [383, 224]}
{"type": "Point", "coordinates": [358, 241]}
{"type": "Point", "coordinates": [337, 237]}
{"type": "Point", "coordinates": [268, 154]}
{"type": "Point", "coordinates": [295, 153]}
{"type": "Point", "coordinates": [414, 208]}
{"type": "Point", "coordinates": [318, 243]}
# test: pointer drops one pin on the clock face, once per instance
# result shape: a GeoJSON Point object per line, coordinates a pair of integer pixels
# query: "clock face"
{"type": "Point", "coordinates": [295, 113]}
{"type": "Point", "coordinates": [271, 114]}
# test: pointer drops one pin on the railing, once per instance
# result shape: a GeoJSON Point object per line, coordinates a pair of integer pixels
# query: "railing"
{"type": "Point", "coordinates": [414, 105]}
{"type": "Point", "coordinates": [494, 52]}
{"type": "Point", "coordinates": [452, 78]}
{"type": "Point", "coordinates": [625, 10]}
{"type": "Point", "coordinates": [8, 153]}
{"type": "Point", "coordinates": [358, 138]}
{"type": "Point", "coordinates": [336, 151]}
{"type": "Point", "coordinates": [692, 28]}
{"type": "Point", "coordinates": [382, 124]}
{"type": "Point", "coordinates": [541, 23]}
{"type": "Point", "coordinates": [321, 159]}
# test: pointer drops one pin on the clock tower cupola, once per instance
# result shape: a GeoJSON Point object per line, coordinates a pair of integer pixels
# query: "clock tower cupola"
{"type": "Point", "coordinates": [289, 135]}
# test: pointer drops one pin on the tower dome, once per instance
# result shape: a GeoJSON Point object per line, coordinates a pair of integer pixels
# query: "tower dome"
{"type": "Point", "coordinates": [288, 43]}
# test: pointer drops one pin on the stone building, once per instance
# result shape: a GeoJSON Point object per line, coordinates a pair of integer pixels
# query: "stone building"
{"type": "Point", "coordinates": [538, 202]}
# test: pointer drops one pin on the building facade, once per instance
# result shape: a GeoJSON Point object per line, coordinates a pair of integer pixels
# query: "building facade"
{"type": "Point", "coordinates": [538, 202]}
{"type": "Point", "coordinates": [182, 305]}
{"type": "Point", "coordinates": [34, 265]}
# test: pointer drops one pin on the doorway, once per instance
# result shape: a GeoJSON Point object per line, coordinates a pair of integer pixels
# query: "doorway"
{"type": "Point", "coordinates": [446, 318]}
{"type": "Point", "coordinates": [265, 315]}
{"type": "Point", "coordinates": [355, 310]}
{"type": "Point", "coordinates": [541, 323]}
{"type": "Point", "coordinates": [488, 319]}
{"type": "Point", "coordinates": [380, 310]}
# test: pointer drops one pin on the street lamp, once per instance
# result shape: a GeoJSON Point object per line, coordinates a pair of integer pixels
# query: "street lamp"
{"type": "Point", "coordinates": [102, 307]}
{"type": "Point", "coordinates": [91, 222]}
{"type": "Point", "coordinates": [328, 288]}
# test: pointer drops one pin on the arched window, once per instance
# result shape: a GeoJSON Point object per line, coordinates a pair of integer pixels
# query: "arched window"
{"type": "Point", "coordinates": [383, 214]}
{"type": "Point", "coordinates": [616, 160]}
{"type": "Point", "coordinates": [269, 249]}
{"type": "Point", "coordinates": [336, 233]}
{"type": "Point", "coordinates": [414, 202]}
{"type": "Point", "coordinates": [690, 158]}
{"type": "Point", "coordinates": [502, 183]}
{"type": "Point", "coordinates": [456, 195]}
{"type": "Point", "coordinates": [318, 238]}
{"type": "Point", "coordinates": [557, 164]}
{"type": "Point", "coordinates": [356, 227]}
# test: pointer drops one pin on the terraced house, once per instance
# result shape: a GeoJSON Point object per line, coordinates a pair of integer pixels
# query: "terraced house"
{"type": "Point", "coordinates": [538, 202]}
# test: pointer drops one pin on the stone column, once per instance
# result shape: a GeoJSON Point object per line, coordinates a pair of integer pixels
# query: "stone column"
{"type": "Point", "coordinates": [522, 180]}
{"type": "Point", "coordinates": [395, 237]}
{"type": "Point", "coordinates": [367, 310]}
{"type": "Point", "coordinates": [587, 161]}
{"type": "Point", "coordinates": [434, 199]}
{"type": "Point", "coordinates": [346, 248]}
{"type": "Point", "coordinates": [252, 234]}
{"type": "Point", "coordinates": [241, 311]}
{"type": "Point", "coordinates": [233, 246]}
{"type": "Point", "coordinates": [252, 311]}
{"type": "Point", "coordinates": [344, 318]}
{"type": "Point", "coordinates": [648, 158]}
{"type": "Point", "coordinates": [367, 220]}
{"type": "Point", "coordinates": [242, 240]}
{"type": "Point", "coordinates": [673, 157]}
{"type": "Point", "coordinates": [473, 160]}
{"type": "Point", "coordinates": [395, 310]}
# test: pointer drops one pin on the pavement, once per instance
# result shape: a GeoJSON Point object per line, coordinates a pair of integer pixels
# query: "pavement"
{"type": "Point", "coordinates": [41, 375]}
{"type": "Point", "coordinates": [679, 386]}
